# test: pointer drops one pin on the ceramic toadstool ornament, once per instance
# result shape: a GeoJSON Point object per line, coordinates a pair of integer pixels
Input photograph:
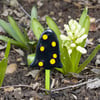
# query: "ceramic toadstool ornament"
{"type": "Point", "coordinates": [47, 54]}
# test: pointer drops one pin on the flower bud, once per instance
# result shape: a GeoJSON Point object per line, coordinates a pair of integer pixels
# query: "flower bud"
{"type": "Point", "coordinates": [81, 50]}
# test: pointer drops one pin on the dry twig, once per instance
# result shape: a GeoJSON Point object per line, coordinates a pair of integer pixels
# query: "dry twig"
{"type": "Point", "coordinates": [52, 90]}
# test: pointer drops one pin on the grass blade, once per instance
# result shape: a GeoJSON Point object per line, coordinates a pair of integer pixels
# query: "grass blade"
{"type": "Point", "coordinates": [37, 28]}
{"type": "Point", "coordinates": [85, 63]}
{"type": "Point", "coordinates": [18, 31]}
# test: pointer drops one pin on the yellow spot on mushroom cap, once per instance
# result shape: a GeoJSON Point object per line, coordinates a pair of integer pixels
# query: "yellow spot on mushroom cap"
{"type": "Point", "coordinates": [45, 37]}
{"type": "Point", "coordinates": [52, 61]}
{"type": "Point", "coordinates": [54, 55]}
{"type": "Point", "coordinates": [40, 64]}
{"type": "Point", "coordinates": [53, 43]}
{"type": "Point", "coordinates": [42, 48]}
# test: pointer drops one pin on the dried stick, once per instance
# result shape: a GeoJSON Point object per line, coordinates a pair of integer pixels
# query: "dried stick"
{"type": "Point", "coordinates": [71, 86]}
{"type": "Point", "coordinates": [24, 10]}
{"type": "Point", "coordinates": [52, 90]}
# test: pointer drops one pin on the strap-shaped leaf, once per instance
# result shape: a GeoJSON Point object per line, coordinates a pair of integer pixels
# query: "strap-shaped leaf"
{"type": "Point", "coordinates": [17, 30]}
{"type": "Point", "coordinates": [3, 64]}
{"type": "Point", "coordinates": [37, 28]}
{"type": "Point", "coordinates": [83, 17]}
{"type": "Point", "coordinates": [7, 50]}
{"type": "Point", "coordinates": [52, 25]}
{"type": "Point", "coordinates": [6, 39]}
{"type": "Point", "coordinates": [66, 61]}
{"type": "Point", "coordinates": [33, 14]}
{"type": "Point", "coordinates": [30, 58]}
{"type": "Point", "coordinates": [8, 28]}
{"type": "Point", "coordinates": [78, 54]}
{"type": "Point", "coordinates": [85, 63]}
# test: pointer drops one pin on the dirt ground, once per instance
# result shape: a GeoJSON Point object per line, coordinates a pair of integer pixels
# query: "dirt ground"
{"type": "Point", "coordinates": [61, 11]}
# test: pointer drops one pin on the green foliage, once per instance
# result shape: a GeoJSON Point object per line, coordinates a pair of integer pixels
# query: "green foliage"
{"type": "Point", "coordinates": [3, 64]}
{"type": "Point", "coordinates": [18, 38]}
{"type": "Point", "coordinates": [37, 28]}
{"type": "Point", "coordinates": [75, 43]}
{"type": "Point", "coordinates": [13, 30]}
{"type": "Point", "coordinates": [30, 58]}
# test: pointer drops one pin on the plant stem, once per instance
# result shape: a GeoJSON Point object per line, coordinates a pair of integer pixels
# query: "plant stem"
{"type": "Point", "coordinates": [47, 79]}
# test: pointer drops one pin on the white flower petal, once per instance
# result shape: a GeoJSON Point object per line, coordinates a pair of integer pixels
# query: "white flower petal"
{"type": "Point", "coordinates": [63, 37]}
{"type": "Point", "coordinates": [82, 31]}
{"type": "Point", "coordinates": [80, 40]}
{"type": "Point", "coordinates": [81, 50]}
{"type": "Point", "coordinates": [73, 45]}
{"type": "Point", "coordinates": [70, 34]}
{"type": "Point", "coordinates": [79, 27]}
{"type": "Point", "coordinates": [70, 51]}
{"type": "Point", "coordinates": [72, 27]}
{"type": "Point", "coordinates": [76, 32]}
{"type": "Point", "coordinates": [66, 27]}
{"type": "Point", "coordinates": [71, 22]}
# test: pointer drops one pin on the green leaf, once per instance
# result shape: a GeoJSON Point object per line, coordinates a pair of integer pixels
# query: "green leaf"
{"type": "Point", "coordinates": [83, 17]}
{"type": "Point", "coordinates": [7, 50]}
{"type": "Point", "coordinates": [87, 61]}
{"type": "Point", "coordinates": [37, 28]}
{"type": "Point", "coordinates": [66, 61]}
{"type": "Point", "coordinates": [3, 64]}
{"type": "Point", "coordinates": [86, 26]}
{"type": "Point", "coordinates": [17, 30]}
{"type": "Point", "coordinates": [33, 14]}
{"type": "Point", "coordinates": [52, 25]}
{"type": "Point", "coordinates": [30, 58]}
{"type": "Point", "coordinates": [8, 28]}
{"type": "Point", "coordinates": [6, 39]}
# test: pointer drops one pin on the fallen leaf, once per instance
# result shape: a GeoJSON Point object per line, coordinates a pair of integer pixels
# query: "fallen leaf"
{"type": "Point", "coordinates": [69, 1]}
{"type": "Point", "coordinates": [19, 14]}
{"type": "Point", "coordinates": [11, 68]}
{"type": "Point", "coordinates": [74, 81]}
{"type": "Point", "coordinates": [65, 81]}
{"type": "Point", "coordinates": [36, 85]}
{"type": "Point", "coordinates": [97, 62]}
{"type": "Point", "coordinates": [33, 73]}
{"type": "Point", "coordinates": [19, 51]}
{"type": "Point", "coordinates": [14, 3]}
{"type": "Point", "coordinates": [53, 83]}
{"type": "Point", "coordinates": [9, 89]}
{"type": "Point", "coordinates": [93, 85]}
{"type": "Point", "coordinates": [7, 12]}
{"type": "Point", "coordinates": [19, 59]}
{"type": "Point", "coordinates": [96, 71]}
{"type": "Point", "coordinates": [3, 46]}
{"type": "Point", "coordinates": [93, 27]}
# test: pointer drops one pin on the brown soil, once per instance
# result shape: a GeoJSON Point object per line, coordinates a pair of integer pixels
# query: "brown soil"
{"type": "Point", "coordinates": [61, 11]}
